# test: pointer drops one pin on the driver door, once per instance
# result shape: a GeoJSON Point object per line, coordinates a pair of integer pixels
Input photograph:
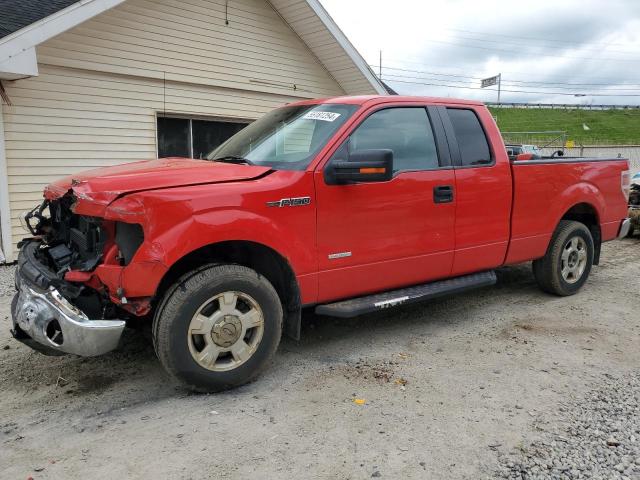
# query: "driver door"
{"type": "Point", "coordinates": [376, 236]}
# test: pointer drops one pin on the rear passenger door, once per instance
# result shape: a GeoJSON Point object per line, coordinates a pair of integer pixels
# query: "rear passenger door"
{"type": "Point", "coordinates": [379, 236]}
{"type": "Point", "coordinates": [484, 191]}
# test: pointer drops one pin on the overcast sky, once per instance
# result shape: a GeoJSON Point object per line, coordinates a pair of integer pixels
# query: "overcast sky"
{"type": "Point", "coordinates": [549, 46]}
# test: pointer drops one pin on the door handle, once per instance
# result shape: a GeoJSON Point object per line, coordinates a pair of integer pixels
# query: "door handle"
{"type": "Point", "coordinates": [443, 194]}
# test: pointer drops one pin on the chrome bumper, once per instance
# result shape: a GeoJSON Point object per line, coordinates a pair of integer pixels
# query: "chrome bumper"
{"type": "Point", "coordinates": [624, 228]}
{"type": "Point", "coordinates": [51, 321]}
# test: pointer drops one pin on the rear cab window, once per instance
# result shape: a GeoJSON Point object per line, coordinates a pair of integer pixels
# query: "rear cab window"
{"type": "Point", "coordinates": [471, 138]}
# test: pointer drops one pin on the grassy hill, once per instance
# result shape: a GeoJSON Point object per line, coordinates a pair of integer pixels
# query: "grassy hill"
{"type": "Point", "coordinates": [606, 127]}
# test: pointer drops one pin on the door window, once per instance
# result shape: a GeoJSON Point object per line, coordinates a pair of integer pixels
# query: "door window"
{"type": "Point", "coordinates": [405, 131]}
{"type": "Point", "coordinates": [472, 141]}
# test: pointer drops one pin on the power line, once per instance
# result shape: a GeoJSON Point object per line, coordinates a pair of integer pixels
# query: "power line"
{"type": "Point", "coordinates": [518, 91]}
{"type": "Point", "coordinates": [510, 81]}
{"type": "Point", "coordinates": [532, 38]}
{"type": "Point", "coordinates": [531, 45]}
{"type": "Point", "coordinates": [537, 54]}
{"type": "Point", "coordinates": [531, 74]}
{"type": "Point", "coordinates": [391, 76]}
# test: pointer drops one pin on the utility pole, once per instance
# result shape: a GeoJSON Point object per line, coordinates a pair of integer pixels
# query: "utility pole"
{"type": "Point", "coordinates": [380, 71]}
{"type": "Point", "coordinates": [499, 86]}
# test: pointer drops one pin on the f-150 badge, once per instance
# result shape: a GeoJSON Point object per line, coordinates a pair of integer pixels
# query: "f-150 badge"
{"type": "Point", "coordinates": [290, 202]}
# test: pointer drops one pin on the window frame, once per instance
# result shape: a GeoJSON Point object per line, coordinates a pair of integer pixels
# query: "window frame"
{"type": "Point", "coordinates": [191, 118]}
{"type": "Point", "coordinates": [452, 139]}
{"type": "Point", "coordinates": [437, 128]}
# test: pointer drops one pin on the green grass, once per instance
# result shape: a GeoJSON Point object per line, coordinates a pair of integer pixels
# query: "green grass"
{"type": "Point", "coordinates": [607, 127]}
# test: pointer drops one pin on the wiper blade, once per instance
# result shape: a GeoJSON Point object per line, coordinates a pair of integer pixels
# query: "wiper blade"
{"type": "Point", "coordinates": [235, 160]}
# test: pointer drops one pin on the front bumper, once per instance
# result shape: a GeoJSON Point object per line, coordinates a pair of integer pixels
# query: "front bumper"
{"type": "Point", "coordinates": [46, 321]}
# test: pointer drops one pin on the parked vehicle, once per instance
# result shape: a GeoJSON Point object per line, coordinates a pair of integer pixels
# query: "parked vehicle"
{"type": "Point", "coordinates": [514, 150]}
{"type": "Point", "coordinates": [634, 205]}
{"type": "Point", "coordinates": [348, 205]}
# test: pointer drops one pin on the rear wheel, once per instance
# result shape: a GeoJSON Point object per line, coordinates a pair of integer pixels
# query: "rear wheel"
{"type": "Point", "coordinates": [218, 328]}
{"type": "Point", "coordinates": [568, 261]}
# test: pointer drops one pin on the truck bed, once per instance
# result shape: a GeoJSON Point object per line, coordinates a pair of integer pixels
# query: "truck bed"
{"type": "Point", "coordinates": [545, 189]}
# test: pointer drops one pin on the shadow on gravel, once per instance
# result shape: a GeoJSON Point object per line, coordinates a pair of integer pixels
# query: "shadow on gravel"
{"type": "Point", "coordinates": [400, 321]}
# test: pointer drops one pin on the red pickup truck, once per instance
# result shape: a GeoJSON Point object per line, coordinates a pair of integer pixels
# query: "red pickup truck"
{"type": "Point", "coordinates": [349, 205]}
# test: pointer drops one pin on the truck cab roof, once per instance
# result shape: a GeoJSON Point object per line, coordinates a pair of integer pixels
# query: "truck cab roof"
{"type": "Point", "coordinates": [381, 99]}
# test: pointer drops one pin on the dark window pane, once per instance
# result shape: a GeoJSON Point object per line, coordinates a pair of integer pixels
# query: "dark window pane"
{"type": "Point", "coordinates": [474, 148]}
{"type": "Point", "coordinates": [406, 131]}
{"type": "Point", "coordinates": [209, 135]}
{"type": "Point", "coordinates": [173, 137]}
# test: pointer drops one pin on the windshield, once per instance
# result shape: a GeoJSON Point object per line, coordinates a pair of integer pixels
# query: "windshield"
{"type": "Point", "coordinates": [287, 138]}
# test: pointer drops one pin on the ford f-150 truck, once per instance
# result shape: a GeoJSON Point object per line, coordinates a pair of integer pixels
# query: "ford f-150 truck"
{"type": "Point", "coordinates": [348, 205]}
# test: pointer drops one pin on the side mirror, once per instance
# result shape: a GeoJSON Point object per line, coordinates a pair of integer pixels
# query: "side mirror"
{"type": "Point", "coordinates": [362, 166]}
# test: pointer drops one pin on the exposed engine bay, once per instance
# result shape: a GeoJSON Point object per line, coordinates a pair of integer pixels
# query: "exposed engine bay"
{"type": "Point", "coordinates": [65, 242]}
{"type": "Point", "coordinates": [74, 241]}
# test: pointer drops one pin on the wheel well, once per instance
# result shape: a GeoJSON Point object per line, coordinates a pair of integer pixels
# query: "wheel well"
{"type": "Point", "coordinates": [264, 260]}
{"type": "Point", "coordinates": [587, 215]}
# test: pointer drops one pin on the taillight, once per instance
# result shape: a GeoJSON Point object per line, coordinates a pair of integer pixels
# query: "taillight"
{"type": "Point", "coordinates": [625, 183]}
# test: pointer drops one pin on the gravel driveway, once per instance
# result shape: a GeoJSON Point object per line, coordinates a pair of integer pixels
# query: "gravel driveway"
{"type": "Point", "coordinates": [505, 382]}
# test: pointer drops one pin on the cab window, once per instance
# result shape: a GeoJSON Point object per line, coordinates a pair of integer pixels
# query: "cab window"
{"type": "Point", "coordinates": [405, 131]}
{"type": "Point", "coordinates": [472, 141]}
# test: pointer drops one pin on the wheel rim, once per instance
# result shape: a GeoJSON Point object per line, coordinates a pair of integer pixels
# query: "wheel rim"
{"type": "Point", "coordinates": [574, 259]}
{"type": "Point", "coordinates": [226, 331]}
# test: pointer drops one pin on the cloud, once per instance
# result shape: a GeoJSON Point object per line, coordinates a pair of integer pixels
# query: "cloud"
{"type": "Point", "coordinates": [557, 48]}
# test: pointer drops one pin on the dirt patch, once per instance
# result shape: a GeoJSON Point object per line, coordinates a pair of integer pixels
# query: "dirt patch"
{"type": "Point", "coordinates": [545, 327]}
{"type": "Point", "coordinates": [362, 371]}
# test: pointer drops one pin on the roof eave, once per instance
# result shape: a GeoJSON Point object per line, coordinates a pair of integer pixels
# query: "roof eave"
{"type": "Point", "coordinates": [17, 50]}
{"type": "Point", "coordinates": [18, 57]}
{"type": "Point", "coordinates": [347, 46]}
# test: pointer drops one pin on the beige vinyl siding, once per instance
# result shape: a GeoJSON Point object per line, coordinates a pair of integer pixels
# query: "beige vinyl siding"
{"type": "Point", "coordinates": [301, 17]}
{"type": "Point", "coordinates": [188, 41]}
{"type": "Point", "coordinates": [102, 83]}
{"type": "Point", "coordinates": [67, 120]}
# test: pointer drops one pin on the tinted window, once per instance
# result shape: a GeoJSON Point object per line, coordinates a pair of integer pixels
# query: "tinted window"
{"type": "Point", "coordinates": [406, 131]}
{"type": "Point", "coordinates": [474, 148]}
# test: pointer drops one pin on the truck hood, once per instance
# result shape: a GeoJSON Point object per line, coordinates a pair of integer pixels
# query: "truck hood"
{"type": "Point", "coordinates": [104, 185]}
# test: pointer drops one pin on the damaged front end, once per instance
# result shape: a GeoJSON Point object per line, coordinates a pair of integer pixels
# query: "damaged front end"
{"type": "Point", "coordinates": [61, 306]}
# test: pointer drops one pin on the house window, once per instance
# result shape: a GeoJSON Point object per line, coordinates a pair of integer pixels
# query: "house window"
{"type": "Point", "coordinates": [194, 138]}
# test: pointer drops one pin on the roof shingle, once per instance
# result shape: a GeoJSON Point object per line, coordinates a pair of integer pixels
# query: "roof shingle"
{"type": "Point", "coordinates": [17, 14]}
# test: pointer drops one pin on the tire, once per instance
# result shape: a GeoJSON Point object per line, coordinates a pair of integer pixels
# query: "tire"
{"type": "Point", "coordinates": [548, 270]}
{"type": "Point", "coordinates": [242, 335]}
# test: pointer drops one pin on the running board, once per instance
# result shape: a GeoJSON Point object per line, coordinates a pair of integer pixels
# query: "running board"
{"type": "Point", "coordinates": [419, 293]}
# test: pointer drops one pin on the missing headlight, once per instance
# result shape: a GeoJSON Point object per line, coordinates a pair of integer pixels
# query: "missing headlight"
{"type": "Point", "coordinates": [129, 237]}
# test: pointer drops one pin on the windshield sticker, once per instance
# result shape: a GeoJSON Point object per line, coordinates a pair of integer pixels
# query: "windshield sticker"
{"type": "Point", "coordinates": [324, 116]}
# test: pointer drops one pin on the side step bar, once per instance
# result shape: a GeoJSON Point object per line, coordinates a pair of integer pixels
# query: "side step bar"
{"type": "Point", "coordinates": [419, 293]}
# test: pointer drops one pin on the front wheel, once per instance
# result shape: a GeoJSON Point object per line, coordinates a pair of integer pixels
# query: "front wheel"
{"type": "Point", "coordinates": [568, 261]}
{"type": "Point", "coordinates": [218, 327]}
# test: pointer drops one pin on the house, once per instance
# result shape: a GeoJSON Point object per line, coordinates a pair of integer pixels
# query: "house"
{"type": "Point", "coordinates": [90, 83]}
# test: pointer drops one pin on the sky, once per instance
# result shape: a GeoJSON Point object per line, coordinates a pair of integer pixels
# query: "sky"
{"type": "Point", "coordinates": [558, 51]}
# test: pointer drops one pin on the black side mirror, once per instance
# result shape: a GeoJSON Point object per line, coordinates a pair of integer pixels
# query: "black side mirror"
{"type": "Point", "coordinates": [362, 166]}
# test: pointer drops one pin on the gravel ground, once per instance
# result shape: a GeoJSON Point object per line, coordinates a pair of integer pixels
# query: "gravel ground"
{"type": "Point", "coordinates": [458, 388]}
{"type": "Point", "coordinates": [6, 280]}
{"type": "Point", "coordinates": [597, 437]}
